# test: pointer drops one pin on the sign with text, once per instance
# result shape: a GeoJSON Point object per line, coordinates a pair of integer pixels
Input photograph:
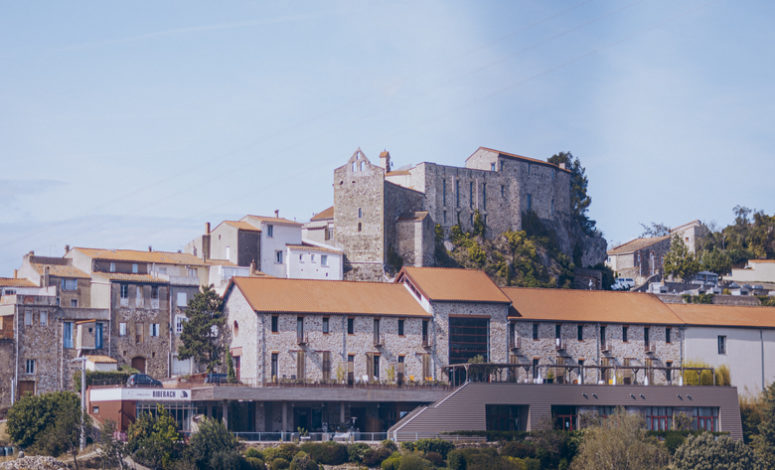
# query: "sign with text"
{"type": "Point", "coordinates": [140, 394]}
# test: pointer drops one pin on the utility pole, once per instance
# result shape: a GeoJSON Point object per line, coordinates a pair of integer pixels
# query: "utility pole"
{"type": "Point", "coordinates": [82, 360]}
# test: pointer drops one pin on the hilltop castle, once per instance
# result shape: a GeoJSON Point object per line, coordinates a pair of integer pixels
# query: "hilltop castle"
{"type": "Point", "coordinates": [379, 214]}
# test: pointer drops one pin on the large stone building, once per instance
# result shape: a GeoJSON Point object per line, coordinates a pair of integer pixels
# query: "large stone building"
{"type": "Point", "coordinates": [382, 218]}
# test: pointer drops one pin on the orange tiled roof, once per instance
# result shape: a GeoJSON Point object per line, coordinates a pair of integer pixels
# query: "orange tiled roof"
{"type": "Point", "coordinates": [589, 306]}
{"type": "Point", "coordinates": [635, 245]}
{"type": "Point", "coordinates": [761, 261]}
{"type": "Point", "coordinates": [60, 270]}
{"type": "Point", "coordinates": [16, 282]}
{"type": "Point", "coordinates": [241, 225]}
{"type": "Point", "coordinates": [454, 285]}
{"type": "Point", "coordinates": [314, 248]}
{"type": "Point", "coordinates": [725, 315]}
{"type": "Point", "coordinates": [270, 220]}
{"type": "Point", "coordinates": [161, 257]}
{"type": "Point", "coordinates": [325, 214]}
{"type": "Point", "coordinates": [130, 277]}
{"type": "Point", "coordinates": [266, 294]}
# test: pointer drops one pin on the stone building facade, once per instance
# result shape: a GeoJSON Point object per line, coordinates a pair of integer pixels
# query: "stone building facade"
{"type": "Point", "coordinates": [383, 218]}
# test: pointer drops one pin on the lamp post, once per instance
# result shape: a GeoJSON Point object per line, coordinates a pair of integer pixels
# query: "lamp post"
{"type": "Point", "coordinates": [82, 360]}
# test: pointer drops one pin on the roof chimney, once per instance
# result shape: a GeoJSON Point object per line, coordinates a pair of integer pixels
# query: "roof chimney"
{"type": "Point", "coordinates": [16, 274]}
{"type": "Point", "coordinates": [252, 266]}
{"type": "Point", "coordinates": [384, 160]}
{"type": "Point", "coordinates": [277, 213]}
{"type": "Point", "coordinates": [150, 248]}
{"type": "Point", "coordinates": [67, 248]}
{"type": "Point", "coordinates": [207, 228]}
{"type": "Point", "coordinates": [45, 276]}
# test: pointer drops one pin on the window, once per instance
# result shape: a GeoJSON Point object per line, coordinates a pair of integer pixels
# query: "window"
{"type": "Point", "coordinates": [301, 257]}
{"type": "Point", "coordinates": [530, 202]}
{"type": "Point", "coordinates": [535, 331]}
{"type": "Point", "coordinates": [535, 368]}
{"type": "Point", "coordinates": [179, 320]}
{"type": "Point", "coordinates": [274, 366]}
{"type": "Point", "coordinates": [625, 330]}
{"type": "Point", "coordinates": [153, 330]}
{"type": "Point", "coordinates": [360, 213]}
{"type": "Point", "coordinates": [122, 329]}
{"type": "Point", "coordinates": [400, 327]}
{"type": "Point", "coordinates": [425, 332]}
{"type": "Point", "coordinates": [29, 367]}
{"type": "Point", "coordinates": [312, 258]}
{"type": "Point", "coordinates": [503, 191]}
{"type": "Point", "coordinates": [112, 267]}
{"type": "Point", "coordinates": [270, 230]}
{"type": "Point", "coordinates": [28, 317]}
{"type": "Point", "coordinates": [299, 328]}
{"type": "Point", "coordinates": [602, 336]}
{"type": "Point", "coordinates": [457, 193]}
{"type": "Point", "coordinates": [278, 256]}
{"type": "Point", "coordinates": [359, 226]}
{"type": "Point", "coordinates": [557, 331]}
{"type": "Point", "coordinates": [182, 298]}
{"type": "Point", "coordinates": [69, 284]}
{"type": "Point", "coordinates": [67, 335]}
{"type": "Point", "coordinates": [43, 318]}
{"type": "Point", "coordinates": [646, 338]}
{"type": "Point", "coordinates": [376, 366]}
{"type": "Point", "coordinates": [124, 291]}
{"type": "Point", "coordinates": [426, 367]}
{"type": "Point", "coordinates": [580, 332]}
{"type": "Point", "coordinates": [300, 365]}
{"type": "Point", "coordinates": [324, 260]}
{"type": "Point", "coordinates": [351, 326]}
{"type": "Point", "coordinates": [325, 325]}
{"type": "Point", "coordinates": [275, 321]}
{"type": "Point", "coordinates": [98, 336]}
{"type": "Point", "coordinates": [154, 292]}
{"type": "Point", "coordinates": [134, 268]}
{"type": "Point", "coordinates": [326, 366]}
{"type": "Point", "coordinates": [722, 344]}
{"type": "Point", "coordinates": [492, 166]}
{"type": "Point", "coordinates": [443, 192]}
{"type": "Point", "coordinates": [667, 335]}
{"type": "Point", "coordinates": [376, 328]}
{"type": "Point", "coordinates": [484, 196]}
{"type": "Point", "coordinates": [73, 303]}
{"type": "Point", "coordinates": [669, 372]}
{"type": "Point", "coordinates": [444, 216]}
{"type": "Point", "coordinates": [471, 195]}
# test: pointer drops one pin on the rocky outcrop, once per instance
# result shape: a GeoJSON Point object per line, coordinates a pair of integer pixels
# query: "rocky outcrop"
{"type": "Point", "coordinates": [34, 462]}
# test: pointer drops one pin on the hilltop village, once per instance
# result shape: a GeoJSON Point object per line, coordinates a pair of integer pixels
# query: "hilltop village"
{"type": "Point", "coordinates": [351, 321]}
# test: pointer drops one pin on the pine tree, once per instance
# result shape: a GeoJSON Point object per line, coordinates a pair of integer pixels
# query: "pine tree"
{"type": "Point", "coordinates": [200, 338]}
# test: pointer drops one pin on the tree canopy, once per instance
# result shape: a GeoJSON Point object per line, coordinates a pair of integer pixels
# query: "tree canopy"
{"type": "Point", "coordinates": [200, 338]}
{"type": "Point", "coordinates": [679, 261]}
{"type": "Point", "coordinates": [751, 236]}
{"type": "Point", "coordinates": [579, 199]}
{"type": "Point", "coordinates": [707, 451]}
{"type": "Point", "coordinates": [153, 439]}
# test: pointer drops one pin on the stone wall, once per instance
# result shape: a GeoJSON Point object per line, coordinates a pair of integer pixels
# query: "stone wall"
{"type": "Point", "coordinates": [7, 364]}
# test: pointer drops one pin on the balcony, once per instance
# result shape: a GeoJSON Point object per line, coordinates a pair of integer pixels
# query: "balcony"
{"type": "Point", "coordinates": [650, 348]}
{"type": "Point", "coordinates": [559, 344]}
{"type": "Point", "coordinates": [379, 341]}
{"type": "Point", "coordinates": [302, 339]}
{"type": "Point", "coordinates": [605, 347]}
{"type": "Point", "coordinates": [516, 343]}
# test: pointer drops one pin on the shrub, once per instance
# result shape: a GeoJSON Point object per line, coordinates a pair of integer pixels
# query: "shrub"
{"type": "Point", "coordinates": [356, 452]}
{"type": "Point", "coordinates": [435, 458]}
{"type": "Point", "coordinates": [388, 444]}
{"type": "Point", "coordinates": [255, 463]}
{"type": "Point", "coordinates": [279, 464]}
{"type": "Point", "coordinates": [414, 462]}
{"type": "Point", "coordinates": [434, 445]}
{"type": "Point", "coordinates": [329, 453]}
{"type": "Point", "coordinates": [708, 451]}
{"type": "Point", "coordinates": [212, 439]}
{"type": "Point", "coordinates": [519, 449]}
{"type": "Point", "coordinates": [283, 451]}
{"type": "Point", "coordinates": [302, 461]}
{"type": "Point", "coordinates": [391, 463]}
{"type": "Point", "coordinates": [374, 457]}
{"type": "Point", "coordinates": [252, 452]}
{"type": "Point", "coordinates": [456, 460]}
{"type": "Point", "coordinates": [226, 460]}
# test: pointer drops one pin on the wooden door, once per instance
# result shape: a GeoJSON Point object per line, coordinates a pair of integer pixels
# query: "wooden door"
{"type": "Point", "coordinates": [139, 363]}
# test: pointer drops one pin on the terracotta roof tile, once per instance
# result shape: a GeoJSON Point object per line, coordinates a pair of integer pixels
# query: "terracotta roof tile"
{"type": "Point", "coordinates": [325, 214]}
{"type": "Point", "coordinates": [160, 257]}
{"type": "Point", "coordinates": [314, 248]}
{"type": "Point", "coordinates": [520, 157]}
{"type": "Point", "coordinates": [725, 315]}
{"type": "Point", "coordinates": [16, 282]}
{"type": "Point", "coordinates": [60, 270]}
{"type": "Point", "coordinates": [589, 306]}
{"type": "Point", "coordinates": [316, 296]}
{"type": "Point", "coordinates": [269, 220]}
{"type": "Point", "coordinates": [636, 244]}
{"type": "Point", "coordinates": [454, 285]}
{"type": "Point", "coordinates": [241, 225]}
{"type": "Point", "coordinates": [130, 277]}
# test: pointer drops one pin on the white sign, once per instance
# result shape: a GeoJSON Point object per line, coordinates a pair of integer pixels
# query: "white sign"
{"type": "Point", "coordinates": [140, 394]}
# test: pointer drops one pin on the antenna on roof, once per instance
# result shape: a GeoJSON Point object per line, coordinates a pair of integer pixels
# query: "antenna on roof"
{"type": "Point", "coordinates": [277, 213]}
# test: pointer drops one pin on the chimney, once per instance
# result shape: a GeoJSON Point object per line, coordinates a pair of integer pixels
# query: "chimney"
{"type": "Point", "coordinates": [277, 213]}
{"type": "Point", "coordinates": [207, 228]}
{"type": "Point", "coordinates": [252, 266]}
{"type": "Point", "coordinates": [16, 274]}
{"type": "Point", "coordinates": [562, 166]}
{"type": "Point", "coordinates": [67, 248]}
{"type": "Point", "coordinates": [45, 276]}
{"type": "Point", "coordinates": [384, 160]}
{"type": "Point", "coordinates": [150, 248]}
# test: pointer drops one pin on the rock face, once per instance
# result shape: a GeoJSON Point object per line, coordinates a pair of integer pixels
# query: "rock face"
{"type": "Point", "coordinates": [35, 462]}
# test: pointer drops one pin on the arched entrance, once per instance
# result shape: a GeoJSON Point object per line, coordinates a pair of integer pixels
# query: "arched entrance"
{"type": "Point", "coordinates": [138, 362]}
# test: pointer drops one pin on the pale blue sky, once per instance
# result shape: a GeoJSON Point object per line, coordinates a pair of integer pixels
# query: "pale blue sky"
{"type": "Point", "coordinates": [128, 124]}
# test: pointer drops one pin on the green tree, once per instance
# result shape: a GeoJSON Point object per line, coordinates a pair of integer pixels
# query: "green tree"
{"type": "Point", "coordinates": [153, 439]}
{"type": "Point", "coordinates": [579, 199]}
{"type": "Point", "coordinates": [655, 229]}
{"type": "Point", "coordinates": [764, 439]}
{"type": "Point", "coordinates": [706, 451]}
{"type": "Point", "coordinates": [679, 262]}
{"type": "Point", "coordinates": [200, 338]}
{"type": "Point", "coordinates": [111, 450]}
{"type": "Point", "coordinates": [47, 423]}
{"type": "Point", "coordinates": [619, 442]}
{"type": "Point", "coordinates": [211, 441]}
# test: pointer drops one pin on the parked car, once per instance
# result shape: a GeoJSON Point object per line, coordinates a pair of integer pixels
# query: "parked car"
{"type": "Point", "coordinates": [142, 380]}
{"type": "Point", "coordinates": [214, 378]}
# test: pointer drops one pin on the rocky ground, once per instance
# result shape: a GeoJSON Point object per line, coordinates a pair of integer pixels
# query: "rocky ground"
{"type": "Point", "coordinates": [33, 462]}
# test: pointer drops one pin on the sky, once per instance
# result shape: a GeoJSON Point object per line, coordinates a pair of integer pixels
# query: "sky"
{"type": "Point", "coordinates": [131, 124]}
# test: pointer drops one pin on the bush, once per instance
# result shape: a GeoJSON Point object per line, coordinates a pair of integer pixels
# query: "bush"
{"type": "Point", "coordinates": [356, 452]}
{"type": "Point", "coordinates": [212, 439]}
{"type": "Point", "coordinates": [519, 449]}
{"type": "Point", "coordinates": [279, 464]}
{"type": "Point", "coordinates": [283, 451]}
{"type": "Point", "coordinates": [302, 461]}
{"type": "Point", "coordinates": [252, 452]}
{"type": "Point", "coordinates": [392, 462]}
{"type": "Point", "coordinates": [435, 458]}
{"type": "Point", "coordinates": [328, 453]}
{"type": "Point", "coordinates": [255, 463]}
{"type": "Point", "coordinates": [456, 460]}
{"type": "Point", "coordinates": [388, 444]}
{"type": "Point", "coordinates": [434, 445]}
{"type": "Point", "coordinates": [414, 462]}
{"type": "Point", "coordinates": [99, 377]}
{"type": "Point", "coordinates": [226, 460]}
{"type": "Point", "coordinates": [708, 451]}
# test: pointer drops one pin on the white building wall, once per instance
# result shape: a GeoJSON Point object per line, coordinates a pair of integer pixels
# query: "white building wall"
{"type": "Point", "coordinates": [754, 272]}
{"type": "Point", "coordinates": [746, 348]}
{"type": "Point", "coordinates": [282, 235]}
{"type": "Point", "coordinates": [307, 264]}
